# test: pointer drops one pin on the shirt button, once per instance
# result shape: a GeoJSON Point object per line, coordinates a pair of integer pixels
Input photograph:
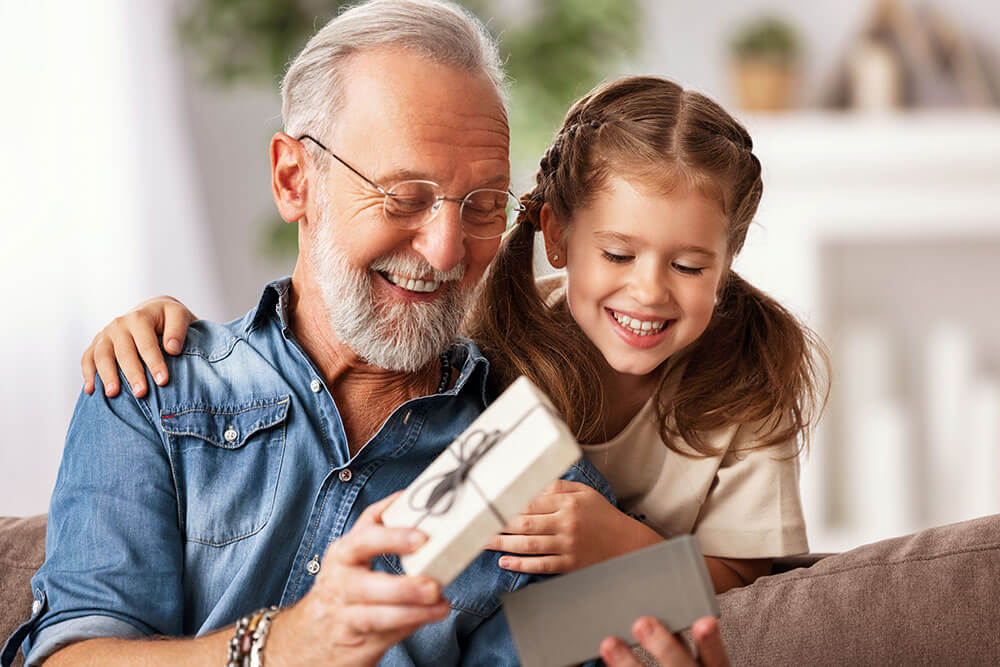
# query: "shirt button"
{"type": "Point", "coordinates": [345, 475]}
{"type": "Point", "coordinates": [312, 567]}
{"type": "Point", "coordinates": [35, 607]}
{"type": "Point", "coordinates": [230, 435]}
{"type": "Point", "coordinates": [315, 385]}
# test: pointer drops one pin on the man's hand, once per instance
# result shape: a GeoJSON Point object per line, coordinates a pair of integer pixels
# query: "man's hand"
{"type": "Point", "coordinates": [568, 527]}
{"type": "Point", "coordinates": [352, 615]}
{"type": "Point", "coordinates": [668, 650]}
{"type": "Point", "coordinates": [133, 336]}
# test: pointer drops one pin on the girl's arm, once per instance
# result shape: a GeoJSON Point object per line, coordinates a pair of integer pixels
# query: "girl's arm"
{"type": "Point", "coordinates": [571, 526]}
{"type": "Point", "coordinates": [134, 336]}
{"type": "Point", "coordinates": [729, 573]}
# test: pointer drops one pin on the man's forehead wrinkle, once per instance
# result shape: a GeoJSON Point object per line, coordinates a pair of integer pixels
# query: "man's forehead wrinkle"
{"type": "Point", "coordinates": [452, 119]}
{"type": "Point", "coordinates": [494, 130]}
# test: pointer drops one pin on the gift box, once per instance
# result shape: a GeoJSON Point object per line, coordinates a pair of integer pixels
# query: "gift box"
{"type": "Point", "coordinates": [562, 621]}
{"type": "Point", "coordinates": [484, 479]}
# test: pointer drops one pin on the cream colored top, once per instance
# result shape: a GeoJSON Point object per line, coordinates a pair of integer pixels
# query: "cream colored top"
{"type": "Point", "coordinates": [741, 503]}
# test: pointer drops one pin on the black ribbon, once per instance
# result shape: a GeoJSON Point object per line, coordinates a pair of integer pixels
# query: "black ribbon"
{"type": "Point", "coordinates": [469, 451]}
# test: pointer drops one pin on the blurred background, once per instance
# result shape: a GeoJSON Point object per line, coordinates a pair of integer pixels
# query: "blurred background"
{"type": "Point", "coordinates": [136, 164]}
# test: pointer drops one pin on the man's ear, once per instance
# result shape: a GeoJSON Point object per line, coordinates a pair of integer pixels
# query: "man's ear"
{"type": "Point", "coordinates": [555, 242]}
{"type": "Point", "coordinates": [289, 177]}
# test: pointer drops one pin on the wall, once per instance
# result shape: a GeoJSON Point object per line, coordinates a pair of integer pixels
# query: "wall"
{"type": "Point", "coordinates": [214, 202]}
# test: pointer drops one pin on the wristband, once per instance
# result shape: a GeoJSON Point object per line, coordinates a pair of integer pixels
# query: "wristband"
{"type": "Point", "coordinates": [260, 637]}
{"type": "Point", "coordinates": [247, 636]}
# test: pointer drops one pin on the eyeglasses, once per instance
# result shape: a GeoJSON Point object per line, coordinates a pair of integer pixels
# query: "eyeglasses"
{"type": "Point", "coordinates": [485, 213]}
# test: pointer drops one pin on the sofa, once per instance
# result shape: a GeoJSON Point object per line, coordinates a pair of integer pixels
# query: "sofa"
{"type": "Point", "coordinates": [931, 598]}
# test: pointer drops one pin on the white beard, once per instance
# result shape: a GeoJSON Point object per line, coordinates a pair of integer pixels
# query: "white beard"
{"type": "Point", "coordinates": [393, 335]}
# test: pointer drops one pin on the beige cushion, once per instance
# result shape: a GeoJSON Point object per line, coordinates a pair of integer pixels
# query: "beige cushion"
{"type": "Point", "coordinates": [22, 550]}
{"type": "Point", "coordinates": [932, 598]}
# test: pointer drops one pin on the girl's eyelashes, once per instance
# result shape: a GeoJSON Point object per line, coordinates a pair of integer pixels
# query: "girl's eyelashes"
{"type": "Point", "coordinates": [621, 259]}
{"type": "Point", "coordinates": [617, 259]}
{"type": "Point", "coordinates": [689, 270]}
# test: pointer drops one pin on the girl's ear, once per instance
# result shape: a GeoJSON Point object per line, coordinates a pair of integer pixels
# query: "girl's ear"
{"type": "Point", "coordinates": [555, 243]}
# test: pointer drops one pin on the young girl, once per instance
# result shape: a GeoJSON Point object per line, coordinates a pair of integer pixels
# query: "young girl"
{"type": "Point", "coordinates": [686, 386]}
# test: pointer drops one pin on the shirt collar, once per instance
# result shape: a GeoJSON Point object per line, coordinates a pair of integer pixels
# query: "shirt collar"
{"type": "Point", "coordinates": [463, 354]}
{"type": "Point", "coordinates": [274, 299]}
{"type": "Point", "coordinates": [474, 368]}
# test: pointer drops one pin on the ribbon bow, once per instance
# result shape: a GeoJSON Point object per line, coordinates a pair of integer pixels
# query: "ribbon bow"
{"type": "Point", "coordinates": [446, 485]}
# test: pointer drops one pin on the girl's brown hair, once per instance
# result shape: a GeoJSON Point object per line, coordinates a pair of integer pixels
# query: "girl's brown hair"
{"type": "Point", "coordinates": [754, 364]}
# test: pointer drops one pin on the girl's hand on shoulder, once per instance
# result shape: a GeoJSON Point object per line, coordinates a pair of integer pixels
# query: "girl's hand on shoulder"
{"type": "Point", "coordinates": [133, 336]}
{"type": "Point", "coordinates": [568, 527]}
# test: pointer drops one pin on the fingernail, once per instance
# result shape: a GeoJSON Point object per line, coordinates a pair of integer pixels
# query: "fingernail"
{"type": "Point", "coordinates": [160, 377]}
{"type": "Point", "coordinates": [416, 539]}
{"type": "Point", "coordinates": [108, 388]}
{"type": "Point", "coordinates": [173, 345]}
{"type": "Point", "coordinates": [505, 561]}
{"type": "Point", "coordinates": [617, 648]}
{"type": "Point", "coordinates": [643, 628]}
{"type": "Point", "coordinates": [137, 387]}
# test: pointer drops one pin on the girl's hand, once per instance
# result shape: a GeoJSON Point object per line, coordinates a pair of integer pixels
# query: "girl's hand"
{"type": "Point", "coordinates": [134, 335]}
{"type": "Point", "coordinates": [568, 527]}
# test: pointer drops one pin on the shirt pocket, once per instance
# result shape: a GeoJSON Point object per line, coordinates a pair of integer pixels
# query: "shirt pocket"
{"type": "Point", "coordinates": [226, 462]}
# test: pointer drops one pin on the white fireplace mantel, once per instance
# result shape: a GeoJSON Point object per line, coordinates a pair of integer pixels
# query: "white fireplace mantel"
{"type": "Point", "coordinates": [837, 175]}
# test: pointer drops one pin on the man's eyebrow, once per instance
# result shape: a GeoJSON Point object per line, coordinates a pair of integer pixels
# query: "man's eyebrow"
{"type": "Point", "coordinates": [684, 247]}
{"type": "Point", "coordinates": [399, 175]}
{"type": "Point", "coordinates": [391, 178]}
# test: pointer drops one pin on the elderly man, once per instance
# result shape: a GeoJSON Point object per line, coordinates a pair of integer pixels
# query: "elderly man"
{"type": "Point", "coordinates": [283, 433]}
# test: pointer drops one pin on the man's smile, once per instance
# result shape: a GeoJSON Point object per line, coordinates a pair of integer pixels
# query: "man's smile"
{"type": "Point", "coordinates": [411, 284]}
{"type": "Point", "coordinates": [400, 286]}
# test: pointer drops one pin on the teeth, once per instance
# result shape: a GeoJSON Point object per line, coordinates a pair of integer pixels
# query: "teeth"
{"type": "Point", "coordinates": [637, 326]}
{"type": "Point", "coordinates": [412, 284]}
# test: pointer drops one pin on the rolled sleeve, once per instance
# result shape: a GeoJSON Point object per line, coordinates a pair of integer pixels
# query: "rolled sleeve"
{"type": "Point", "coordinates": [54, 637]}
{"type": "Point", "coordinates": [114, 550]}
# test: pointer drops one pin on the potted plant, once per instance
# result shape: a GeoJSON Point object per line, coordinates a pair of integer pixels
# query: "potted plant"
{"type": "Point", "coordinates": [765, 54]}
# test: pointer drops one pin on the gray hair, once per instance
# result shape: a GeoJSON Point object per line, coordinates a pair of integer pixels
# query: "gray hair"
{"type": "Point", "coordinates": [312, 90]}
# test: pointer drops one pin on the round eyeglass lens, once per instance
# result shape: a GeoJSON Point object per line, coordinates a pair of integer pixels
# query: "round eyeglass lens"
{"type": "Point", "coordinates": [487, 213]}
{"type": "Point", "coordinates": [407, 203]}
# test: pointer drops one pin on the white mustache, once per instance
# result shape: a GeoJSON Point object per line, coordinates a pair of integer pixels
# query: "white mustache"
{"type": "Point", "coordinates": [415, 266]}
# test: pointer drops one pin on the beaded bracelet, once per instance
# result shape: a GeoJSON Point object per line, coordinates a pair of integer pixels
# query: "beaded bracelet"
{"type": "Point", "coordinates": [235, 655]}
{"type": "Point", "coordinates": [260, 637]}
{"type": "Point", "coordinates": [247, 637]}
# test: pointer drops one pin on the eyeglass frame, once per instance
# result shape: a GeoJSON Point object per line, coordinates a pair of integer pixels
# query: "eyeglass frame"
{"type": "Point", "coordinates": [438, 199]}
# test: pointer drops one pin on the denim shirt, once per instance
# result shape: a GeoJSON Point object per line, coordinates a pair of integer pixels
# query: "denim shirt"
{"type": "Point", "coordinates": [218, 494]}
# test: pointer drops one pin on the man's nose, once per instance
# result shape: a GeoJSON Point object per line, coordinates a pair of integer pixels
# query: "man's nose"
{"type": "Point", "coordinates": [441, 241]}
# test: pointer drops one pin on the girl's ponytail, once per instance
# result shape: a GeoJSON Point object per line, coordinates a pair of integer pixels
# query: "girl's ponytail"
{"type": "Point", "coordinates": [521, 335]}
{"type": "Point", "coordinates": [755, 364]}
